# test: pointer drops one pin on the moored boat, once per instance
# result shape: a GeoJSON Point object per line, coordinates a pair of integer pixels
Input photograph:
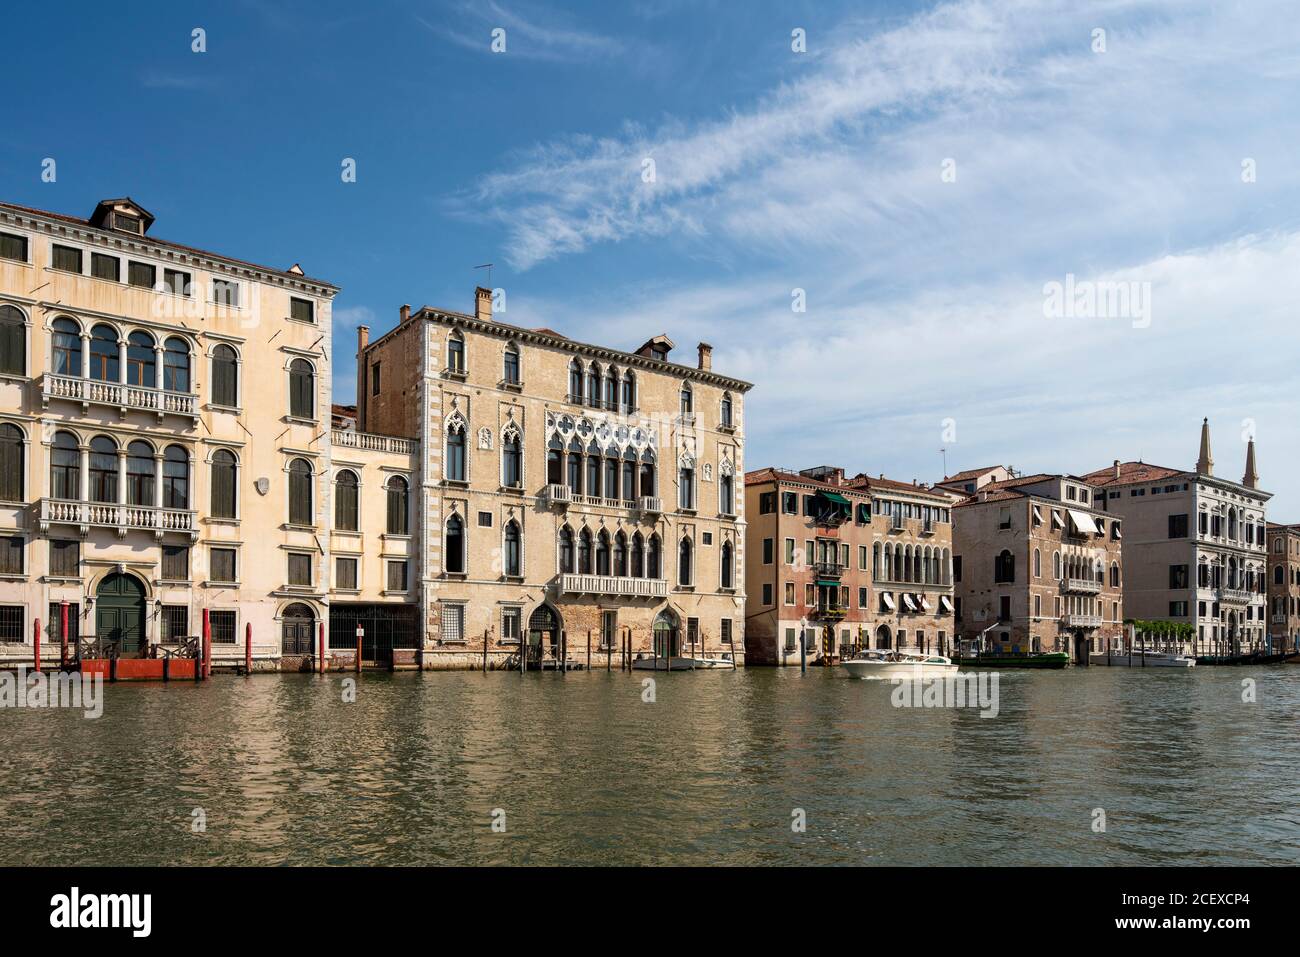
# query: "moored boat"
{"type": "Point", "coordinates": [679, 663]}
{"type": "Point", "coordinates": [897, 664]}
{"type": "Point", "coordinates": [1141, 659]}
{"type": "Point", "coordinates": [1049, 659]}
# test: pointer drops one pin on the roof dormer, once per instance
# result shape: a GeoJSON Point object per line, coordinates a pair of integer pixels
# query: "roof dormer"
{"type": "Point", "coordinates": [122, 216]}
{"type": "Point", "coordinates": [656, 348]}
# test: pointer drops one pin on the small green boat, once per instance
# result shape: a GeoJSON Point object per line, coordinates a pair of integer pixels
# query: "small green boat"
{"type": "Point", "coordinates": [1055, 659]}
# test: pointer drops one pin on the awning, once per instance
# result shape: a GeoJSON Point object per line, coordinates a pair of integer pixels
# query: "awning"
{"type": "Point", "coordinates": [925, 602]}
{"type": "Point", "coordinates": [945, 603]}
{"type": "Point", "coordinates": [1056, 519]}
{"type": "Point", "coordinates": [835, 497]}
{"type": "Point", "coordinates": [1082, 522]}
{"type": "Point", "coordinates": [1115, 530]}
{"type": "Point", "coordinates": [907, 601]}
{"type": "Point", "coordinates": [1038, 515]}
{"type": "Point", "coordinates": [887, 600]}
{"type": "Point", "coordinates": [828, 584]}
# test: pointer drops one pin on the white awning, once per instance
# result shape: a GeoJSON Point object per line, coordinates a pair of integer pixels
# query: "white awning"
{"type": "Point", "coordinates": [1056, 519]}
{"type": "Point", "coordinates": [887, 600]}
{"type": "Point", "coordinates": [907, 601]}
{"type": "Point", "coordinates": [925, 602]}
{"type": "Point", "coordinates": [1082, 522]}
{"type": "Point", "coordinates": [945, 603]}
{"type": "Point", "coordinates": [1038, 515]}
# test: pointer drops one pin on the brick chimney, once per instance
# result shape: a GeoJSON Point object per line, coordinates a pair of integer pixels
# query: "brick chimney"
{"type": "Point", "coordinates": [1117, 468]}
{"type": "Point", "coordinates": [363, 340]}
{"type": "Point", "coordinates": [483, 304]}
{"type": "Point", "coordinates": [706, 357]}
{"type": "Point", "coordinates": [404, 313]}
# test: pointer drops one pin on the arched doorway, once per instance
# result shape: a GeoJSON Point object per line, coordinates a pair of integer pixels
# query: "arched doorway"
{"type": "Point", "coordinates": [297, 630]}
{"type": "Point", "coordinates": [667, 636]}
{"type": "Point", "coordinates": [883, 637]}
{"type": "Point", "coordinates": [543, 633]}
{"type": "Point", "coordinates": [119, 613]}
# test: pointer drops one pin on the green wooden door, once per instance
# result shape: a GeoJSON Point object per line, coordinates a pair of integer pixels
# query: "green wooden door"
{"type": "Point", "coordinates": [119, 613]}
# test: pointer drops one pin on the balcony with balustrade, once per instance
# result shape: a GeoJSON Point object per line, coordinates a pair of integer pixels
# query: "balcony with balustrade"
{"type": "Point", "coordinates": [370, 442]}
{"type": "Point", "coordinates": [613, 586]}
{"type": "Point", "coordinates": [122, 518]}
{"type": "Point", "coordinates": [118, 395]}
{"type": "Point", "coordinates": [1081, 586]}
{"type": "Point", "coordinates": [1081, 621]}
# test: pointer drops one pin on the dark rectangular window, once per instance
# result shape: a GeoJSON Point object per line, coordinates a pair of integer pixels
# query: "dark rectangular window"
{"type": "Point", "coordinates": [176, 623]}
{"type": "Point", "coordinates": [956, 568]}
{"type": "Point", "coordinates": [65, 558]}
{"type": "Point", "coordinates": [766, 503]}
{"type": "Point", "coordinates": [767, 551]}
{"type": "Point", "coordinates": [1004, 608]}
{"type": "Point", "coordinates": [105, 267]}
{"type": "Point", "coordinates": [767, 594]}
{"type": "Point", "coordinates": [177, 282]}
{"type": "Point", "coordinates": [225, 292]}
{"type": "Point", "coordinates": [1177, 526]}
{"type": "Point", "coordinates": [13, 247]}
{"type": "Point", "coordinates": [54, 627]}
{"type": "Point", "coordinates": [222, 561]}
{"type": "Point", "coordinates": [374, 378]}
{"type": "Point", "coordinates": [222, 626]}
{"type": "Point", "coordinates": [789, 503]}
{"type": "Point", "coordinates": [141, 274]}
{"type": "Point", "coordinates": [1177, 576]}
{"type": "Point", "coordinates": [67, 259]}
{"type": "Point", "coordinates": [345, 573]}
{"type": "Point", "coordinates": [484, 519]}
{"type": "Point", "coordinates": [397, 576]}
{"type": "Point", "coordinates": [11, 555]}
{"type": "Point", "coordinates": [302, 310]}
{"type": "Point", "coordinates": [300, 569]}
{"type": "Point", "coordinates": [726, 631]}
{"type": "Point", "coordinates": [11, 623]}
{"type": "Point", "coordinates": [1178, 609]}
{"type": "Point", "coordinates": [176, 563]}
{"type": "Point", "coordinates": [127, 223]}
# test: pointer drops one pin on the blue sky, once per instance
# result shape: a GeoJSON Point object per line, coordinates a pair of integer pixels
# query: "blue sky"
{"type": "Point", "coordinates": [828, 171]}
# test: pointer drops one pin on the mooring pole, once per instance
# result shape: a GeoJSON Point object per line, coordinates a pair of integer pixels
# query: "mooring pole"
{"type": "Point", "coordinates": [485, 640]}
{"type": "Point", "coordinates": [36, 643]}
{"type": "Point", "coordinates": [564, 651]}
{"type": "Point", "coordinates": [248, 649]}
{"type": "Point", "coordinates": [320, 649]}
{"type": "Point", "coordinates": [206, 662]}
{"type": "Point", "coordinates": [63, 633]}
{"type": "Point", "coordinates": [588, 649]}
{"type": "Point", "coordinates": [360, 634]}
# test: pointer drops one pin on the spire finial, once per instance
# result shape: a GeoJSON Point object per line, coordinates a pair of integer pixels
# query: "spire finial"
{"type": "Point", "coordinates": [1205, 461]}
{"type": "Point", "coordinates": [1251, 478]}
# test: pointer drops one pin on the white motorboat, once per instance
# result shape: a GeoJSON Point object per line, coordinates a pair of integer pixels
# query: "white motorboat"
{"type": "Point", "coordinates": [897, 664]}
{"type": "Point", "coordinates": [1139, 658]}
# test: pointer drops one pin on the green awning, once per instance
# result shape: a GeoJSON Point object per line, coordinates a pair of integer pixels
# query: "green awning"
{"type": "Point", "coordinates": [828, 584]}
{"type": "Point", "coordinates": [835, 497]}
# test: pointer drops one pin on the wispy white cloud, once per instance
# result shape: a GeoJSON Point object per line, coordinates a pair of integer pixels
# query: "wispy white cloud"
{"type": "Point", "coordinates": [537, 34]}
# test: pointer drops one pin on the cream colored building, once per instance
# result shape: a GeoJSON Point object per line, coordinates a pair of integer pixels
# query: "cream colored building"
{"type": "Point", "coordinates": [168, 447]}
{"type": "Point", "coordinates": [568, 493]}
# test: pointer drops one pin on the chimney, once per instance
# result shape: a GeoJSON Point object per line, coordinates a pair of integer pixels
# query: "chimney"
{"type": "Point", "coordinates": [1117, 468]}
{"type": "Point", "coordinates": [363, 340]}
{"type": "Point", "coordinates": [405, 313]}
{"type": "Point", "coordinates": [1205, 461]}
{"type": "Point", "coordinates": [483, 304]}
{"type": "Point", "coordinates": [706, 357]}
{"type": "Point", "coordinates": [1251, 478]}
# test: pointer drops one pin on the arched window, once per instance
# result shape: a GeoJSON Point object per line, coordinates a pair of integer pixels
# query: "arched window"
{"type": "Point", "coordinates": [223, 484]}
{"type": "Point", "coordinates": [398, 506]}
{"type": "Point", "coordinates": [648, 473]}
{"type": "Point", "coordinates": [67, 347]}
{"type": "Point", "coordinates": [611, 388]}
{"type": "Point", "coordinates": [103, 469]}
{"type": "Point", "coordinates": [454, 560]}
{"type": "Point", "coordinates": [455, 469]}
{"type": "Point", "coordinates": [726, 409]}
{"type": "Point", "coordinates": [629, 390]}
{"type": "Point", "coordinates": [555, 462]}
{"type": "Point", "coordinates": [176, 477]}
{"type": "Point", "coordinates": [653, 558]}
{"type": "Point", "coordinates": [13, 341]}
{"type": "Point", "coordinates": [584, 553]}
{"type": "Point", "coordinates": [566, 550]}
{"type": "Point", "coordinates": [456, 352]}
{"type": "Point", "coordinates": [726, 494]}
{"type": "Point", "coordinates": [574, 476]}
{"type": "Point", "coordinates": [11, 463]}
{"type": "Point", "coordinates": [510, 366]}
{"type": "Point", "coordinates": [1056, 565]}
{"type": "Point", "coordinates": [225, 376]}
{"type": "Point", "coordinates": [176, 365]}
{"type": "Point", "coordinates": [65, 467]}
{"type": "Point", "coordinates": [300, 492]}
{"type": "Point", "coordinates": [347, 515]}
{"type": "Point", "coordinates": [103, 354]}
{"type": "Point", "coordinates": [593, 385]}
{"type": "Point", "coordinates": [139, 474]}
{"type": "Point", "coordinates": [514, 562]}
{"type": "Point", "coordinates": [637, 556]}
{"type": "Point", "coordinates": [593, 473]}
{"type": "Point", "coordinates": [575, 381]}
{"type": "Point", "coordinates": [1004, 567]}
{"type": "Point", "coordinates": [1277, 575]}
{"type": "Point", "coordinates": [686, 486]}
{"type": "Point", "coordinates": [1114, 574]}
{"type": "Point", "coordinates": [302, 389]}
{"type": "Point", "coordinates": [620, 554]}
{"type": "Point", "coordinates": [629, 476]}
{"type": "Point", "coordinates": [141, 368]}
{"type": "Point", "coordinates": [684, 554]}
{"type": "Point", "coordinates": [687, 400]}
{"type": "Point", "coordinates": [602, 553]}
{"type": "Point", "coordinates": [1038, 564]}
{"type": "Point", "coordinates": [728, 566]}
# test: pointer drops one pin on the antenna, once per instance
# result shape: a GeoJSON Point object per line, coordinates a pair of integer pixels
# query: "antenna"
{"type": "Point", "coordinates": [944, 453]}
{"type": "Point", "coordinates": [488, 267]}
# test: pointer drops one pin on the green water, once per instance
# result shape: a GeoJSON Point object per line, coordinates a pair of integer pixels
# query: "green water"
{"type": "Point", "coordinates": [712, 772]}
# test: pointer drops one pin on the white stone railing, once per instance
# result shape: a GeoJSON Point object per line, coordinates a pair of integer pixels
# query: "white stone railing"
{"type": "Point", "coordinates": [1237, 595]}
{"type": "Point", "coordinates": [1081, 621]}
{"type": "Point", "coordinates": [122, 517]}
{"type": "Point", "coordinates": [651, 504]}
{"type": "Point", "coordinates": [117, 394]}
{"type": "Point", "coordinates": [614, 585]}
{"type": "Point", "coordinates": [372, 443]}
{"type": "Point", "coordinates": [1086, 586]}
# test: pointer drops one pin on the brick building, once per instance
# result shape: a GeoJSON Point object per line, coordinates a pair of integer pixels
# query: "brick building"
{"type": "Point", "coordinates": [1283, 587]}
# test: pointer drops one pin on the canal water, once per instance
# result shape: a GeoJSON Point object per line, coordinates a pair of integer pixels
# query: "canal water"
{"type": "Point", "coordinates": [579, 769]}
